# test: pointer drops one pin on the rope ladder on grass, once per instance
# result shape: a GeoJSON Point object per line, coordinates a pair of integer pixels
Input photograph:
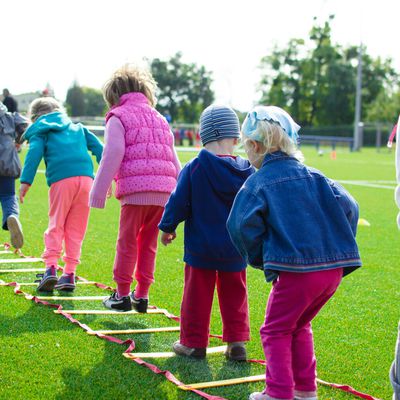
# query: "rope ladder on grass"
{"type": "Point", "coordinates": [129, 353]}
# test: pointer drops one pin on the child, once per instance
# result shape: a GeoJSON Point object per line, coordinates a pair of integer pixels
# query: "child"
{"type": "Point", "coordinates": [69, 173]}
{"type": "Point", "coordinates": [12, 126]}
{"type": "Point", "coordinates": [299, 227]}
{"type": "Point", "coordinates": [139, 153]}
{"type": "Point", "coordinates": [203, 198]}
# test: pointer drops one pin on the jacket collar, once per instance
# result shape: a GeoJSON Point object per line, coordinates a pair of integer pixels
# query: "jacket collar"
{"type": "Point", "coordinates": [275, 156]}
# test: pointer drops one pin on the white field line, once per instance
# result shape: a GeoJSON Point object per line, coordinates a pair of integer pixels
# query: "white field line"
{"type": "Point", "coordinates": [371, 184]}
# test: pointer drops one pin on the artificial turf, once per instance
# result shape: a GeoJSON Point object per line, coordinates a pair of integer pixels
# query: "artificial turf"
{"type": "Point", "coordinates": [43, 356]}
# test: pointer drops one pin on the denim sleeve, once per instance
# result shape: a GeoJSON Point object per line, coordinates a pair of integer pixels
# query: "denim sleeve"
{"type": "Point", "coordinates": [178, 207]}
{"type": "Point", "coordinates": [94, 144]}
{"type": "Point", "coordinates": [32, 159]}
{"type": "Point", "coordinates": [247, 226]}
{"type": "Point", "coordinates": [348, 204]}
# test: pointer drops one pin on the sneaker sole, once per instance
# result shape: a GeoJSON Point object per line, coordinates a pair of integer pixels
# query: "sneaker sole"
{"type": "Point", "coordinates": [48, 284]}
{"type": "Point", "coordinates": [66, 287]}
{"type": "Point", "coordinates": [17, 237]}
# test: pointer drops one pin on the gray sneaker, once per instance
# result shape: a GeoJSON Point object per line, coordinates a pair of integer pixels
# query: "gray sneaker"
{"type": "Point", "coordinates": [66, 283]}
{"type": "Point", "coordinates": [193, 352]}
{"type": "Point", "coordinates": [236, 351]}
{"type": "Point", "coordinates": [16, 235]}
{"type": "Point", "coordinates": [48, 279]}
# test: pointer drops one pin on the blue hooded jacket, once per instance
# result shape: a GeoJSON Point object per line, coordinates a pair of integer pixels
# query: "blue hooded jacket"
{"type": "Point", "coordinates": [203, 198]}
{"type": "Point", "coordinates": [64, 147]}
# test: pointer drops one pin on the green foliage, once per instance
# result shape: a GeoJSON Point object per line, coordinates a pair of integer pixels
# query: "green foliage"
{"type": "Point", "coordinates": [184, 89]}
{"type": "Point", "coordinates": [84, 101]}
{"type": "Point", "coordinates": [315, 81]}
{"type": "Point", "coordinates": [94, 102]}
{"type": "Point", "coordinates": [75, 101]}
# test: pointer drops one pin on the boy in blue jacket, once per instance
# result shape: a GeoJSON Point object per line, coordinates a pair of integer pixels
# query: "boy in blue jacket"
{"type": "Point", "coordinates": [205, 191]}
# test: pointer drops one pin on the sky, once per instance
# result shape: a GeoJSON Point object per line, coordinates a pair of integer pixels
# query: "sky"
{"type": "Point", "coordinates": [60, 41]}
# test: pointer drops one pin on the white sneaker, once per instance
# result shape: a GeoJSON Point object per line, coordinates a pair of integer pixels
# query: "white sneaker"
{"type": "Point", "coordinates": [15, 229]}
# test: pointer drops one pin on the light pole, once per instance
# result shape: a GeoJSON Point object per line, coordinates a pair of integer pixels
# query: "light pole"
{"type": "Point", "coordinates": [357, 113]}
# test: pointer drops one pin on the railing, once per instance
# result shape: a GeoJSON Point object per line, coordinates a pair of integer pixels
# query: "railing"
{"type": "Point", "coordinates": [331, 140]}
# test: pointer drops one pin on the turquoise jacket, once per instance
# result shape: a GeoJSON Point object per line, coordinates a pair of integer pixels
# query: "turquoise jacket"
{"type": "Point", "coordinates": [64, 147]}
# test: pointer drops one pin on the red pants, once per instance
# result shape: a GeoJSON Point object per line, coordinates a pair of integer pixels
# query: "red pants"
{"type": "Point", "coordinates": [287, 338]}
{"type": "Point", "coordinates": [136, 248]}
{"type": "Point", "coordinates": [197, 301]}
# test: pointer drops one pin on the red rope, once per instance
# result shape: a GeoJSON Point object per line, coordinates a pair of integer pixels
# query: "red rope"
{"type": "Point", "coordinates": [131, 344]}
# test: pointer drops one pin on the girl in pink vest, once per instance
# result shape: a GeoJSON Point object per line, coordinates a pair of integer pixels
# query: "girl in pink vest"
{"type": "Point", "coordinates": [139, 154]}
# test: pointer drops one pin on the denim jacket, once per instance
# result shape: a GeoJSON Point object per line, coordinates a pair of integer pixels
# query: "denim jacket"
{"type": "Point", "coordinates": [290, 217]}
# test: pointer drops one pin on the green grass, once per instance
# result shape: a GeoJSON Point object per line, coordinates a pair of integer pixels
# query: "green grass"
{"type": "Point", "coordinates": [43, 356]}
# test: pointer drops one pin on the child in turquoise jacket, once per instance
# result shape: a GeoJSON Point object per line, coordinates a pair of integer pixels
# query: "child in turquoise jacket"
{"type": "Point", "coordinates": [64, 147]}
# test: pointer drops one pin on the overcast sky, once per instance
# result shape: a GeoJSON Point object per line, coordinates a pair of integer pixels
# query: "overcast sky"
{"type": "Point", "coordinates": [59, 41]}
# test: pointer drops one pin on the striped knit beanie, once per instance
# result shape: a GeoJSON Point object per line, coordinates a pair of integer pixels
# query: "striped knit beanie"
{"type": "Point", "coordinates": [218, 122]}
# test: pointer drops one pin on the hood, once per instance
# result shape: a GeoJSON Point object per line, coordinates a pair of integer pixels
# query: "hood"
{"type": "Point", "coordinates": [3, 109]}
{"type": "Point", "coordinates": [53, 122]}
{"type": "Point", "coordinates": [226, 175]}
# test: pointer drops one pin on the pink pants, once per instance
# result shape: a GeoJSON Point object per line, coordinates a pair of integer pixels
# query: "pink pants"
{"type": "Point", "coordinates": [197, 301]}
{"type": "Point", "coordinates": [68, 218]}
{"type": "Point", "coordinates": [136, 248]}
{"type": "Point", "coordinates": [286, 335]}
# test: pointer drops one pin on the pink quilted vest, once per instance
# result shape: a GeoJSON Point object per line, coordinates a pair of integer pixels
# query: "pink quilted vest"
{"type": "Point", "coordinates": [147, 165]}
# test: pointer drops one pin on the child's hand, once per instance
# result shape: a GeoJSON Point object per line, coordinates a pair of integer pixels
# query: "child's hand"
{"type": "Point", "coordinates": [167, 238]}
{"type": "Point", "coordinates": [110, 192]}
{"type": "Point", "coordinates": [23, 190]}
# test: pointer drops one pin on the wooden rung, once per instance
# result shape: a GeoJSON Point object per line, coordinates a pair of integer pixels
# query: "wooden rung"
{"type": "Point", "coordinates": [168, 354]}
{"type": "Point", "coordinates": [226, 382]}
{"type": "Point", "coordinates": [4, 271]}
{"type": "Point", "coordinates": [20, 260]}
{"type": "Point", "coordinates": [35, 284]}
{"type": "Point", "coordinates": [109, 312]}
{"type": "Point", "coordinates": [128, 331]}
{"type": "Point", "coordinates": [71, 298]}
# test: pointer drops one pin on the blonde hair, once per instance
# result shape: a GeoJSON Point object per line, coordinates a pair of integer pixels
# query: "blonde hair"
{"type": "Point", "coordinates": [274, 138]}
{"type": "Point", "coordinates": [42, 106]}
{"type": "Point", "coordinates": [130, 78]}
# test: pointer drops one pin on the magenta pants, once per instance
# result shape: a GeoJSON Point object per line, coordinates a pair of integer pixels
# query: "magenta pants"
{"type": "Point", "coordinates": [198, 295]}
{"type": "Point", "coordinates": [68, 219]}
{"type": "Point", "coordinates": [286, 335]}
{"type": "Point", "coordinates": [136, 248]}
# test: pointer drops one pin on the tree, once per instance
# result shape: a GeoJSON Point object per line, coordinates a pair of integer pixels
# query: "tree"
{"type": "Point", "coordinates": [75, 101]}
{"type": "Point", "coordinates": [94, 101]}
{"type": "Point", "coordinates": [315, 81]}
{"type": "Point", "coordinates": [184, 89]}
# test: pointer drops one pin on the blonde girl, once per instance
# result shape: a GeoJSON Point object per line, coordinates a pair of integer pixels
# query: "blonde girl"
{"type": "Point", "coordinates": [139, 154]}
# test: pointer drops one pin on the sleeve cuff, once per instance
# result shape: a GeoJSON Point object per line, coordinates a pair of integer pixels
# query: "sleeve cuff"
{"type": "Point", "coordinates": [97, 203]}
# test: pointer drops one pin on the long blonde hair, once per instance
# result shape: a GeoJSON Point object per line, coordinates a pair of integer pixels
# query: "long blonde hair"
{"type": "Point", "coordinates": [129, 78]}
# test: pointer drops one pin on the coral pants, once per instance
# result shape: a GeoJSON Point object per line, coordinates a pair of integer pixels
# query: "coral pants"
{"type": "Point", "coordinates": [198, 295]}
{"type": "Point", "coordinates": [286, 335]}
{"type": "Point", "coordinates": [136, 248]}
{"type": "Point", "coordinates": [68, 218]}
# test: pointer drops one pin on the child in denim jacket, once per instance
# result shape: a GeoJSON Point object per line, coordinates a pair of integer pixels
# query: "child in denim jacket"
{"type": "Point", "coordinates": [299, 227]}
